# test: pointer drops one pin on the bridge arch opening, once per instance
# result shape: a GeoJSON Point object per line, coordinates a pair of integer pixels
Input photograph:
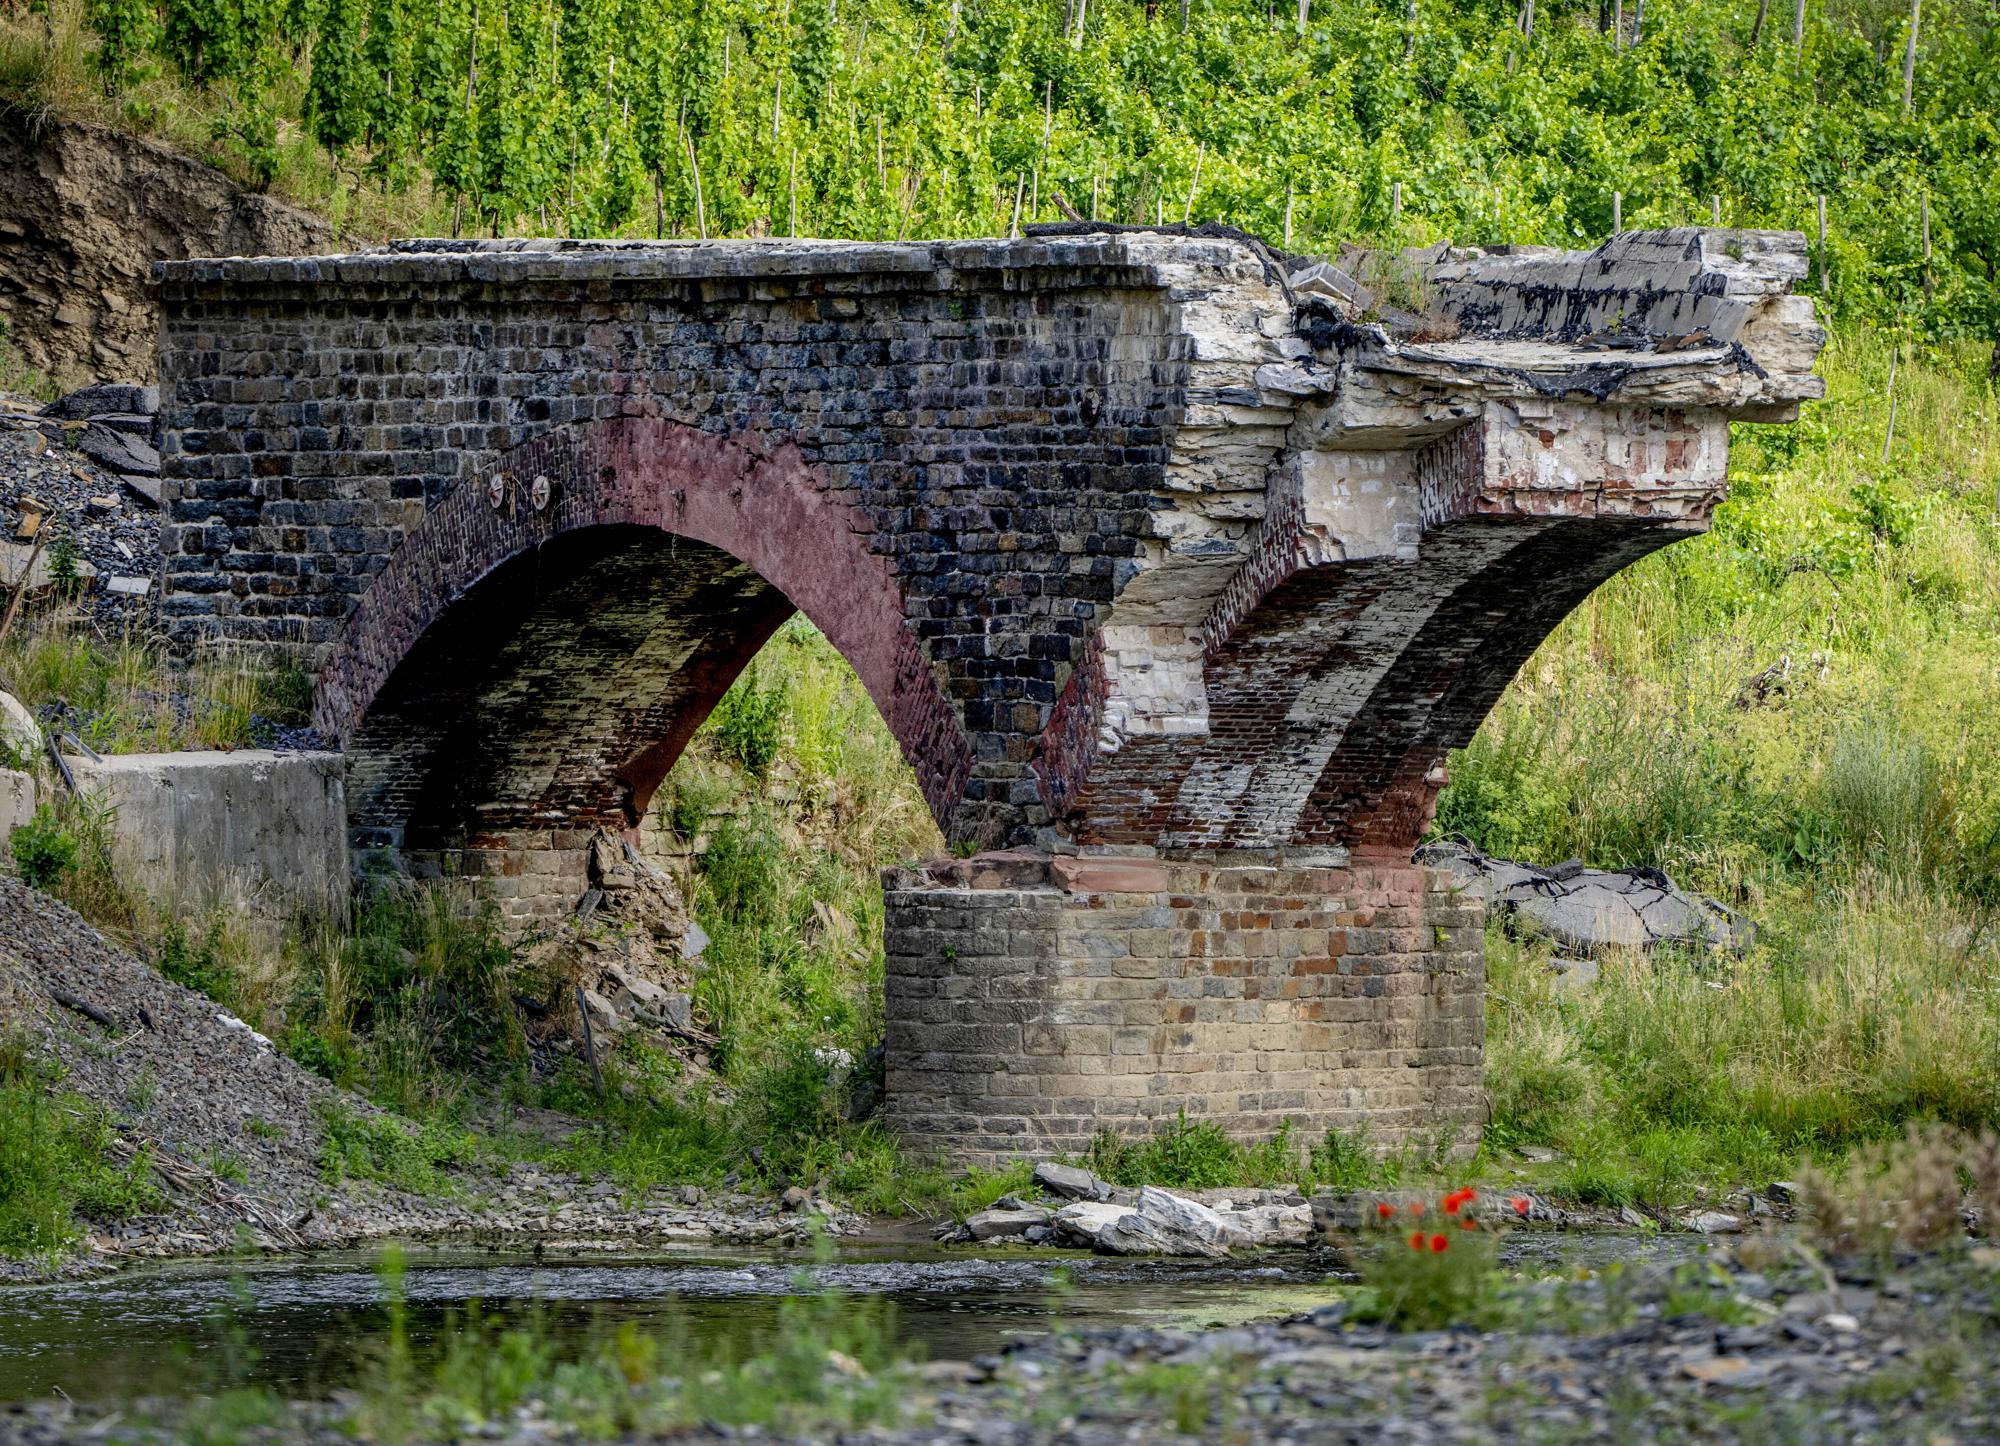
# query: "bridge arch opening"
{"type": "Point", "coordinates": [521, 678]}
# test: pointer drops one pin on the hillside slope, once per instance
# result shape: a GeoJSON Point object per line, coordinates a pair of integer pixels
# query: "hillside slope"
{"type": "Point", "coordinates": [85, 211]}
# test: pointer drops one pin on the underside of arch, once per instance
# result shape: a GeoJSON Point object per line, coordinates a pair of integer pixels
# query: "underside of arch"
{"type": "Point", "coordinates": [1334, 700]}
{"type": "Point", "coordinates": [555, 695]}
{"type": "Point", "coordinates": [537, 651]}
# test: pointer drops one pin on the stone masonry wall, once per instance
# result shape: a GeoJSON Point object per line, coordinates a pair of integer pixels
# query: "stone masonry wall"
{"type": "Point", "coordinates": [1033, 1002]}
{"type": "Point", "coordinates": [994, 436]}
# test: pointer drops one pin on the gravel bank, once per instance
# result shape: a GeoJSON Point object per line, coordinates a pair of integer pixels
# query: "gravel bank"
{"type": "Point", "coordinates": [201, 1091]}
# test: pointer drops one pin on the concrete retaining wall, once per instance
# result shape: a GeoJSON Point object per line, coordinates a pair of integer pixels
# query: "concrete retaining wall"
{"type": "Point", "coordinates": [17, 800]}
{"type": "Point", "coordinates": [267, 828]}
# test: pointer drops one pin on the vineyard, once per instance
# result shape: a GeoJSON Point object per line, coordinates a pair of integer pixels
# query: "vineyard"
{"type": "Point", "coordinates": [1320, 121]}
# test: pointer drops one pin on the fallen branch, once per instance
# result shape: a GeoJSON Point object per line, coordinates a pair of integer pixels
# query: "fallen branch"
{"type": "Point", "coordinates": [21, 587]}
{"type": "Point", "coordinates": [84, 1007]}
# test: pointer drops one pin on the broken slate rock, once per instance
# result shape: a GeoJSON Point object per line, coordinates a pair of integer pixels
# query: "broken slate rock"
{"type": "Point", "coordinates": [1266, 1225]}
{"type": "Point", "coordinates": [104, 399]}
{"type": "Point", "coordinates": [118, 452]}
{"type": "Point", "coordinates": [142, 489]}
{"type": "Point", "coordinates": [1713, 1222]}
{"type": "Point", "coordinates": [998, 1224]}
{"type": "Point", "coordinates": [1069, 1182]}
{"type": "Point", "coordinates": [1082, 1222]}
{"type": "Point", "coordinates": [1167, 1224]}
{"type": "Point", "coordinates": [1586, 911]}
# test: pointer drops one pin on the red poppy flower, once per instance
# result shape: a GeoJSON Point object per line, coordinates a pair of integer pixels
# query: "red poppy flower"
{"type": "Point", "coordinates": [1522, 1204]}
{"type": "Point", "coordinates": [1439, 1244]}
{"type": "Point", "coordinates": [1416, 1240]}
{"type": "Point", "coordinates": [1466, 1222]}
{"type": "Point", "coordinates": [1416, 1207]}
{"type": "Point", "coordinates": [1385, 1210]}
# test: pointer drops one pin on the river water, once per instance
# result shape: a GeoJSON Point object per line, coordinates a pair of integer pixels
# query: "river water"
{"type": "Point", "coordinates": [307, 1327]}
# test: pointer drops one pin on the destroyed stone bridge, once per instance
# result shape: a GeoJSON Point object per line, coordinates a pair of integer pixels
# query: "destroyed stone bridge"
{"type": "Point", "coordinates": [1175, 565]}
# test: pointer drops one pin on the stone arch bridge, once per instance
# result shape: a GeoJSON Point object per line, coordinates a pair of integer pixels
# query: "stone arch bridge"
{"type": "Point", "coordinates": [1175, 565]}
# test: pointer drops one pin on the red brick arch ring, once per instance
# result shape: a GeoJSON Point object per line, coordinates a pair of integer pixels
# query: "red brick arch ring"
{"type": "Point", "coordinates": [760, 502]}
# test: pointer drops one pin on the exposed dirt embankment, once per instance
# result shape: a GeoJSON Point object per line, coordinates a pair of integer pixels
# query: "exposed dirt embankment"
{"type": "Point", "coordinates": [85, 212]}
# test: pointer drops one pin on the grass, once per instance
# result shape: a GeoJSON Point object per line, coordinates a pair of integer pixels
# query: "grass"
{"type": "Point", "coordinates": [1854, 811]}
{"type": "Point", "coordinates": [826, 1362]}
{"type": "Point", "coordinates": [128, 694]}
{"type": "Point", "coordinates": [57, 1168]}
{"type": "Point", "coordinates": [415, 1158]}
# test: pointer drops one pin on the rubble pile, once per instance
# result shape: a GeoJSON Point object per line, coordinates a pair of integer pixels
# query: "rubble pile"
{"type": "Point", "coordinates": [80, 498]}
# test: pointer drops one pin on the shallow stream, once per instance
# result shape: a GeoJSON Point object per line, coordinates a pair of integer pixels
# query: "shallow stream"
{"type": "Point", "coordinates": [309, 1326]}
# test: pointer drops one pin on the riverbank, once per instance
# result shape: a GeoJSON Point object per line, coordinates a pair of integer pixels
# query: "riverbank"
{"type": "Point", "coordinates": [174, 1129]}
{"type": "Point", "coordinates": [1764, 1340]}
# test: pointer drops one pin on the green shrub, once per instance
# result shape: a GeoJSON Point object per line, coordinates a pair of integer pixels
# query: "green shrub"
{"type": "Point", "coordinates": [45, 851]}
{"type": "Point", "coordinates": [197, 964]}
{"type": "Point", "coordinates": [1188, 1154]}
{"type": "Point", "coordinates": [1343, 1161]}
{"type": "Point", "coordinates": [749, 722]}
{"type": "Point", "coordinates": [395, 1152]}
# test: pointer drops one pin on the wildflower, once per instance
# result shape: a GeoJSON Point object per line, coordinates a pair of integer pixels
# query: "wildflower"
{"type": "Point", "coordinates": [1450, 1203]}
{"type": "Point", "coordinates": [1385, 1210]}
{"type": "Point", "coordinates": [1466, 1222]}
{"type": "Point", "coordinates": [1416, 1207]}
{"type": "Point", "coordinates": [1522, 1204]}
{"type": "Point", "coordinates": [1438, 1244]}
{"type": "Point", "coordinates": [1416, 1240]}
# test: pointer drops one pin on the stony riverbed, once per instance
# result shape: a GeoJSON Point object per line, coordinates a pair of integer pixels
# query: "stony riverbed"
{"type": "Point", "coordinates": [1756, 1341]}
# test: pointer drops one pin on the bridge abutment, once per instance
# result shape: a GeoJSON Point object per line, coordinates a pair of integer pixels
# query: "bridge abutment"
{"type": "Point", "coordinates": [1036, 1001]}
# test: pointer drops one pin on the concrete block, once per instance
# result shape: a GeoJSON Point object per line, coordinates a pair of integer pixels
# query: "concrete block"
{"type": "Point", "coordinates": [267, 828]}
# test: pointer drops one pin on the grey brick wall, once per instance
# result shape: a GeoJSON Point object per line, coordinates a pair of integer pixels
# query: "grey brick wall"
{"type": "Point", "coordinates": [1025, 1016]}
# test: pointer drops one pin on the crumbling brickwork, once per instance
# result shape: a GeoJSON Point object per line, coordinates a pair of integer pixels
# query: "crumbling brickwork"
{"type": "Point", "coordinates": [1034, 1002]}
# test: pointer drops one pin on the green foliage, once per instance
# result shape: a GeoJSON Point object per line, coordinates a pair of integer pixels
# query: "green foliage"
{"type": "Point", "coordinates": [413, 1000]}
{"type": "Point", "coordinates": [45, 851]}
{"type": "Point", "coordinates": [1343, 1162]}
{"type": "Point", "coordinates": [56, 1165]}
{"type": "Point", "coordinates": [338, 95]}
{"type": "Point", "coordinates": [196, 962]}
{"type": "Point", "coordinates": [884, 118]}
{"type": "Point", "coordinates": [1196, 1155]}
{"type": "Point", "coordinates": [380, 1147]}
{"type": "Point", "coordinates": [127, 30]}
{"type": "Point", "coordinates": [66, 563]}
{"type": "Point", "coordinates": [749, 721]}
{"type": "Point", "coordinates": [828, 1361]}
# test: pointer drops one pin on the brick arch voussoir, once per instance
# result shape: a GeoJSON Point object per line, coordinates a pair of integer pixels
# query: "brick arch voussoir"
{"type": "Point", "coordinates": [762, 503]}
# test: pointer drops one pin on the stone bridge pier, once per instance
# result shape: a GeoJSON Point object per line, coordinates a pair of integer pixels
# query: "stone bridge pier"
{"type": "Point", "coordinates": [1175, 565]}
